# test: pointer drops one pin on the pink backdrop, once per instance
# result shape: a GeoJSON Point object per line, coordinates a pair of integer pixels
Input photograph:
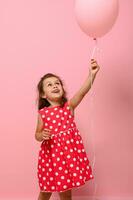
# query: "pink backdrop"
{"type": "Point", "coordinates": [37, 37]}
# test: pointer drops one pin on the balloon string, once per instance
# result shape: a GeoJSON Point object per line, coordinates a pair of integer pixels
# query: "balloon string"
{"type": "Point", "coordinates": [95, 48]}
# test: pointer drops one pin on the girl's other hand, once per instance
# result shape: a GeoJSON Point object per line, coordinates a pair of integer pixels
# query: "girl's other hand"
{"type": "Point", "coordinates": [94, 67]}
{"type": "Point", "coordinates": [46, 134]}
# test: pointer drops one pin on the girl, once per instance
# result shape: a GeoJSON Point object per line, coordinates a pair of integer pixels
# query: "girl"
{"type": "Point", "coordinates": [62, 162]}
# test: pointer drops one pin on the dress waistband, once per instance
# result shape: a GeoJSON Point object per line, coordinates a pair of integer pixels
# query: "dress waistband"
{"type": "Point", "coordinates": [64, 131]}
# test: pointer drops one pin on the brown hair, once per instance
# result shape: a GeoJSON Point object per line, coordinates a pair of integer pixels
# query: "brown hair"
{"type": "Point", "coordinates": [42, 102]}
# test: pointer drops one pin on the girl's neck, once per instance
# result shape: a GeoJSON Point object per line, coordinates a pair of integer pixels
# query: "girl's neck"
{"type": "Point", "coordinates": [53, 104]}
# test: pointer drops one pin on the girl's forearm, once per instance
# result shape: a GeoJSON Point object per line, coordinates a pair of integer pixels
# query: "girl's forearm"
{"type": "Point", "coordinates": [87, 84]}
{"type": "Point", "coordinates": [38, 137]}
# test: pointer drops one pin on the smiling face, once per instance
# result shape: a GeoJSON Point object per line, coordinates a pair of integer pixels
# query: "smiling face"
{"type": "Point", "coordinates": [53, 90]}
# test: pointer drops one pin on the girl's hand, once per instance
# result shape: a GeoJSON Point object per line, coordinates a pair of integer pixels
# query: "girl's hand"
{"type": "Point", "coordinates": [45, 134]}
{"type": "Point", "coordinates": [94, 67]}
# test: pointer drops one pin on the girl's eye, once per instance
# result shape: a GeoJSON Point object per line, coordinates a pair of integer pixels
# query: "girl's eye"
{"type": "Point", "coordinates": [49, 84]}
{"type": "Point", "coordinates": [58, 83]}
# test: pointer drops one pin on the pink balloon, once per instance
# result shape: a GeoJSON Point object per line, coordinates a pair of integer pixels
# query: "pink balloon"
{"type": "Point", "coordinates": [96, 17]}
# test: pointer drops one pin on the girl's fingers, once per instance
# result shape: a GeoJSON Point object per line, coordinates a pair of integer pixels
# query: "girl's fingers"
{"type": "Point", "coordinates": [47, 131]}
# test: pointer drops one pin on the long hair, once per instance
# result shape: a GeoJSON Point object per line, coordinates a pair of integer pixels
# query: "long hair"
{"type": "Point", "coordinates": [42, 102]}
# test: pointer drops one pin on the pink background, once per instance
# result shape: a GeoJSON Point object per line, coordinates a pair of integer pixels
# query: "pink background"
{"type": "Point", "coordinates": [42, 36]}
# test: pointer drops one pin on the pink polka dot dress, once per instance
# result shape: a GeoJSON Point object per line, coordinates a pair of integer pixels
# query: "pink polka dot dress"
{"type": "Point", "coordinates": [62, 161]}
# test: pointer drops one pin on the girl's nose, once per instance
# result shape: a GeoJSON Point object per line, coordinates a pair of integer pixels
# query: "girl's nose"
{"type": "Point", "coordinates": [55, 86]}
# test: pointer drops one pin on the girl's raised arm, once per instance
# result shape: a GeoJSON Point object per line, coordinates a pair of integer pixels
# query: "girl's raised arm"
{"type": "Point", "coordinates": [77, 98]}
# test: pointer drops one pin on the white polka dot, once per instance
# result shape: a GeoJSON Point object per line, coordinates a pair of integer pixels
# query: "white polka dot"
{"type": "Point", "coordinates": [63, 162]}
{"type": "Point", "coordinates": [48, 183]}
{"type": "Point", "coordinates": [44, 187]}
{"type": "Point", "coordinates": [62, 118]}
{"type": "Point", "coordinates": [80, 177]}
{"type": "Point", "coordinates": [77, 168]}
{"type": "Point", "coordinates": [50, 169]}
{"type": "Point", "coordinates": [74, 159]}
{"type": "Point", "coordinates": [58, 144]}
{"type": "Point", "coordinates": [46, 124]}
{"type": "Point", "coordinates": [83, 150]}
{"type": "Point", "coordinates": [51, 127]}
{"type": "Point", "coordinates": [47, 174]}
{"type": "Point", "coordinates": [85, 158]}
{"type": "Point", "coordinates": [72, 125]}
{"type": "Point", "coordinates": [67, 121]}
{"type": "Point", "coordinates": [52, 113]}
{"type": "Point", "coordinates": [53, 155]}
{"type": "Point", "coordinates": [44, 178]}
{"type": "Point", "coordinates": [58, 159]}
{"type": "Point", "coordinates": [68, 180]}
{"type": "Point", "coordinates": [91, 175]}
{"type": "Point", "coordinates": [56, 129]}
{"type": "Point", "coordinates": [71, 165]}
{"type": "Point", "coordinates": [71, 150]}
{"type": "Point", "coordinates": [81, 141]}
{"type": "Point", "coordinates": [66, 148]}
{"type": "Point", "coordinates": [68, 142]}
{"type": "Point", "coordinates": [43, 116]}
{"type": "Point", "coordinates": [54, 164]}
{"type": "Point", "coordinates": [43, 169]}
{"type": "Point", "coordinates": [79, 151]}
{"type": "Point", "coordinates": [48, 118]}
{"type": "Point", "coordinates": [68, 108]}
{"type": "Point", "coordinates": [72, 140]}
{"type": "Point", "coordinates": [52, 187]}
{"type": "Point", "coordinates": [60, 168]}
{"type": "Point", "coordinates": [62, 177]}
{"type": "Point", "coordinates": [60, 111]}
{"type": "Point", "coordinates": [55, 108]}
{"type": "Point", "coordinates": [52, 145]}
{"type": "Point", "coordinates": [68, 156]}
{"type": "Point", "coordinates": [54, 121]}
{"type": "Point", "coordinates": [70, 116]}
{"type": "Point", "coordinates": [66, 171]}
{"type": "Point", "coordinates": [40, 175]}
{"type": "Point", "coordinates": [42, 109]}
{"type": "Point", "coordinates": [41, 184]}
{"type": "Point", "coordinates": [64, 126]}
{"type": "Point", "coordinates": [57, 116]}
{"type": "Point", "coordinates": [77, 142]}
{"type": "Point", "coordinates": [88, 167]}
{"type": "Point", "coordinates": [74, 174]}
{"type": "Point", "coordinates": [39, 166]}
{"type": "Point", "coordinates": [59, 124]}
{"type": "Point", "coordinates": [56, 174]}
{"type": "Point", "coordinates": [46, 111]}
{"type": "Point", "coordinates": [61, 153]}
{"type": "Point", "coordinates": [64, 186]}
{"type": "Point", "coordinates": [77, 183]}
{"type": "Point", "coordinates": [58, 183]}
{"type": "Point", "coordinates": [51, 178]}
{"type": "Point", "coordinates": [81, 159]}
{"type": "Point", "coordinates": [43, 151]}
{"type": "Point", "coordinates": [47, 164]}
{"type": "Point", "coordinates": [42, 160]}
{"type": "Point", "coordinates": [65, 113]}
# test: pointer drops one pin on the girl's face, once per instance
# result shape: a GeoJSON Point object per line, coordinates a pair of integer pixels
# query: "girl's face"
{"type": "Point", "coordinates": [53, 89]}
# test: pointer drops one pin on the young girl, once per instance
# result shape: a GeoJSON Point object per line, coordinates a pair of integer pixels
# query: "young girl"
{"type": "Point", "coordinates": [62, 162]}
